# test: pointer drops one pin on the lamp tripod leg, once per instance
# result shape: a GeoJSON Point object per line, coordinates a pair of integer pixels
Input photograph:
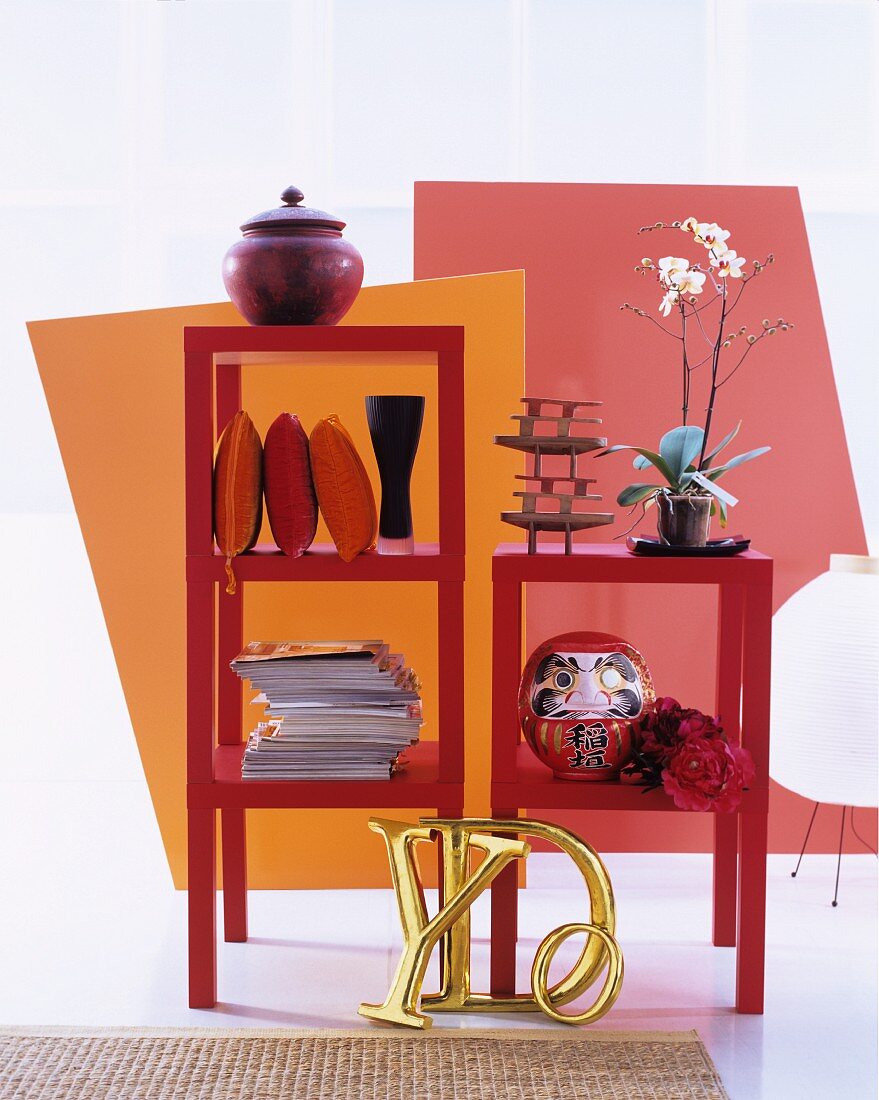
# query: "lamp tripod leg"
{"type": "Point", "coordinates": [834, 903]}
{"type": "Point", "coordinates": [793, 873]}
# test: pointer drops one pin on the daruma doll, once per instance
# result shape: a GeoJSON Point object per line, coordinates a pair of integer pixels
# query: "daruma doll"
{"type": "Point", "coordinates": [580, 698]}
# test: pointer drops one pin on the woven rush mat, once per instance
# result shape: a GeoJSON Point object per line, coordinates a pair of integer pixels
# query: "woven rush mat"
{"type": "Point", "coordinates": [376, 1064]}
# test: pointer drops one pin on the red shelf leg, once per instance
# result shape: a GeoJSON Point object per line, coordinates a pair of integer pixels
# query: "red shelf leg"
{"type": "Point", "coordinates": [752, 913]}
{"type": "Point", "coordinates": [726, 826]}
{"type": "Point", "coordinates": [450, 631]}
{"type": "Point", "coordinates": [726, 869]}
{"type": "Point", "coordinates": [750, 961]}
{"type": "Point", "coordinates": [504, 923]}
{"type": "Point", "coordinates": [506, 668]}
{"type": "Point", "coordinates": [234, 849]}
{"type": "Point", "coordinates": [202, 909]}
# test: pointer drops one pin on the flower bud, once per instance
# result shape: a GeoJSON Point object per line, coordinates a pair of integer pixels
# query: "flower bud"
{"type": "Point", "coordinates": [773, 331]}
{"type": "Point", "coordinates": [752, 339]}
{"type": "Point", "coordinates": [765, 322]}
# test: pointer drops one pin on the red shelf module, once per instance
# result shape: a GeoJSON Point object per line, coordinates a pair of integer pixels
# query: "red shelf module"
{"type": "Point", "coordinates": [214, 357]}
{"type": "Point", "coordinates": [321, 562]}
{"type": "Point", "coordinates": [520, 781]}
{"type": "Point", "coordinates": [419, 785]}
{"type": "Point", "coordinates": [536, 788]}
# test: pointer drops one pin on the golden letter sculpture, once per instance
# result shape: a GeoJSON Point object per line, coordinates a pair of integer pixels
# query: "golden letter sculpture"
{"type": "Point", "coordinates": [461, 887]}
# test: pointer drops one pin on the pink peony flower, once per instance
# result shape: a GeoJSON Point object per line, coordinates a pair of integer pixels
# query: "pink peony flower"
{"type": "Point", "coordinates": [705, 773]}
{"type": "Point", "coordinates": [697, 725]}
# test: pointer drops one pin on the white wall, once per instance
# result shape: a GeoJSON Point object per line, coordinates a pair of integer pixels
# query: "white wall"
{"type": "Point", "coordinates": [138, 135]}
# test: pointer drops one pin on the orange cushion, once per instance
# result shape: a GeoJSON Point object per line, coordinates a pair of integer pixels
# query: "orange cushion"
{"type": "Point", "coordinates": [290, 502]}
{"type": "Point", "coordinates": [237, 490]}
{"type": "Point", "coordinates": [343, 489]}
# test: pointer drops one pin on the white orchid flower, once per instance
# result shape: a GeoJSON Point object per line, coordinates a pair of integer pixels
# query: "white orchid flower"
{"type": "Point", "coordinates": [688, 282]}
{"type": "Point", "coordinates": [670, 265]}
{"type": "Point", "coordinates": [728, 263]}
{"type": "Point", "coordinates": [711, 235]}
{"type": "Point", "coordinates": [670, 299]}
{"type": "Point", "coordinates": [689, 225]}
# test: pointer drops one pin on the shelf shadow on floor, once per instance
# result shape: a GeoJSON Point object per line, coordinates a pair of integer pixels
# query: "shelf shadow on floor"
{"type": "Point", "coordinates": [310, 945]}
{"type": "Point", "coordinates": [278, 1017]}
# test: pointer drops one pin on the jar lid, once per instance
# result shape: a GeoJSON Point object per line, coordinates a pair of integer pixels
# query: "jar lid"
{"type": "Point", "coordinates": [292, 214]}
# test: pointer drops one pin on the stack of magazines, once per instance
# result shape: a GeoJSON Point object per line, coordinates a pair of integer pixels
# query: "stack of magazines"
{"type": "Point", "coordinates": [335, 710]}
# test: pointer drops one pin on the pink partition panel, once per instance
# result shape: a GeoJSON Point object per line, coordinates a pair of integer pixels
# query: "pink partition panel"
{"type": "Point", "coordinates": [578, 245]}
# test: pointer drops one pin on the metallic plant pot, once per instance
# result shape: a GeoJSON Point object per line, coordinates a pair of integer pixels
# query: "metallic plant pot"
{"type": "Point", "coordinates": [683, 520]}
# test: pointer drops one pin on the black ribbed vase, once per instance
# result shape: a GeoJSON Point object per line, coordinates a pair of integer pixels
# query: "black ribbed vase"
{"type": "Point", "coordinates": [395, 427]}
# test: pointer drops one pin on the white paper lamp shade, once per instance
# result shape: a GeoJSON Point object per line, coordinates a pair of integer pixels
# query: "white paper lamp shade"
{"type": "Point", "coordinates": [825, 686]}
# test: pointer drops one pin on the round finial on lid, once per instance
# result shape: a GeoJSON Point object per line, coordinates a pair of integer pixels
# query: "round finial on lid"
{"type": "Point", "coordinates": [292, 196]}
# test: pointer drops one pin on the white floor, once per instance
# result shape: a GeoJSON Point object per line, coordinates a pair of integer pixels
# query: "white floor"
{"type": "Point", "coordinates": [93, 933]}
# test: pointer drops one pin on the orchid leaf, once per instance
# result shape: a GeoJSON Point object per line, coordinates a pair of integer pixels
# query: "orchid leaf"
{"type": "Point", "coordinates": [652, 457]}
{"type": "Point", "coordinates": [680, 446]}
{"type": "Point", "coordinates": [719, 471]}
{"type": "Point", "coordinates": [641, 463]}
{"type": "Point", "coordinates": [632, 494]}
{"type": "Point", "coordinates": [719, 507]}
{"type": "Point", "coordinates": [727, 439]}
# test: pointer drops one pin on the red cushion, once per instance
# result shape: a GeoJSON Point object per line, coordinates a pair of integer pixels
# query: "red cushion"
{"type": "Point", "coordinates": [290, 499]}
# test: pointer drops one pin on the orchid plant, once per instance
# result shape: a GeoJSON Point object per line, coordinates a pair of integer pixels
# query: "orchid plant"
{"type": "Point", "coordinates": [684, 459]}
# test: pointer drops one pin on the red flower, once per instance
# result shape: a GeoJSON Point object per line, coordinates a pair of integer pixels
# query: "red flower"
{"type": "Point", "coordinates": [696, 725]}
{"type": "Point", "coordinates": [705, 773]}
{"type": "Point", "coordinates": [668, 724]}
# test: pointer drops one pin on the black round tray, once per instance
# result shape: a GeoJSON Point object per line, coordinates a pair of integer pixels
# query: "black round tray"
{"type": "Point", "coordinates": [714, 548]}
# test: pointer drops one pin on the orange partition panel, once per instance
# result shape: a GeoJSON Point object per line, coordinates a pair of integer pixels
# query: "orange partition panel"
{"type": "Point", "coordinates": [114, 385]}
{"type": "Point", "coordinates": [578, 244]}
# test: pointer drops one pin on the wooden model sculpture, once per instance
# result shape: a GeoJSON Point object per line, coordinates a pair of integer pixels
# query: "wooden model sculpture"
{"type": "Point", "coordinates": [561, 442]}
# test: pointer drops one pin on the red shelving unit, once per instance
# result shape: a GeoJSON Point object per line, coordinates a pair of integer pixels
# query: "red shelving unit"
{"type": "Point", "coordinates": [520, 781]}
{"type": "Point", "coordinates": [214, 357]}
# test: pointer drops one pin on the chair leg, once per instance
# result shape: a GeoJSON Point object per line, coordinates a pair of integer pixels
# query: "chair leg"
{"type": "Point", "coordinates": [793, 873]}
{"type": "Point", "coordinates": [234, 849]}
{"type": "Point", "coordinates": [834, 903]}
{"type": "Point", "coordinates": [202, 891]}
